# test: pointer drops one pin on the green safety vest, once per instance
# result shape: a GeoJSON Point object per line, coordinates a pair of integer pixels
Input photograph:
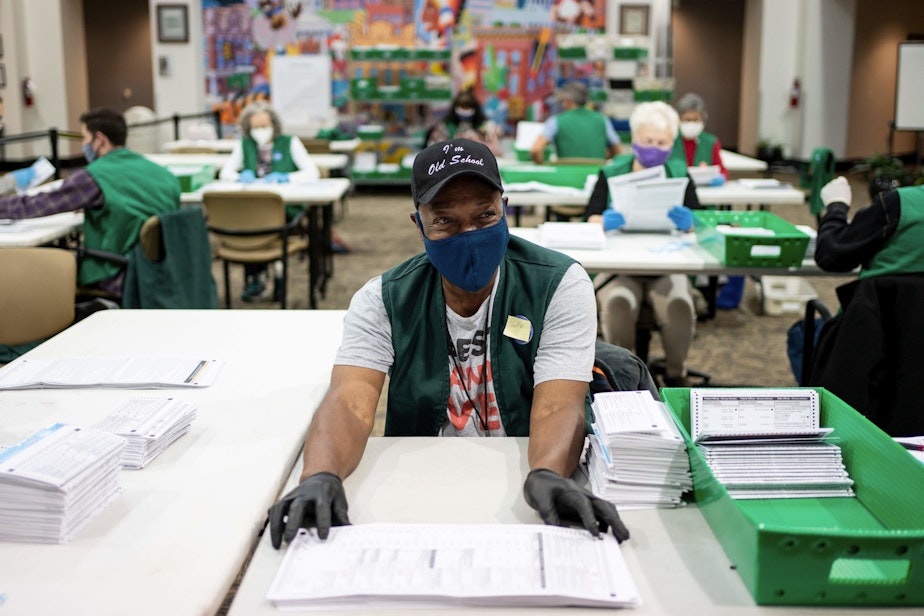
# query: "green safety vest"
{"type": "Point", "coordinates": [903, 253]}
{"type": "Point", "coordinates": [281, 159]}
{"type": "Point", "coordinates": [581, 134]}
{"type": "Point", "coordinates": [134, 189]}
{"type": "Point", "coordinates": [418, 392]}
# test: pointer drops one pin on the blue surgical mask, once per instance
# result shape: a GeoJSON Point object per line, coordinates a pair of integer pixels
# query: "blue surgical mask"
{"type": "Point", "coordinates": [464, 114]}
{"type": "Point", "coordinates": [650, 155]}
{"type": "Point", "coordinates": [468, 260]}
{"type": "Point", "coordinates": [88, 152]}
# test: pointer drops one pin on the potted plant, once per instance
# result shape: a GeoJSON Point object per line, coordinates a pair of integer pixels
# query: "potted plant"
{"type": "Point", "coordinates": [884, 173]}
{"type": "Point", "coordinates": [769, 152]}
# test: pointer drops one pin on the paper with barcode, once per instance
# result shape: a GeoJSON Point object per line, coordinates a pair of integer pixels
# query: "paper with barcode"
{"type": "Point", "coordinates": [106, 372]}
{"type": "Point", "coordinates": [753, 412]}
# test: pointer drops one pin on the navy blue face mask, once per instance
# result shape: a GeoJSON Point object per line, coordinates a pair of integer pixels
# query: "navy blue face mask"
{"type": "Point", "coordinates": [468, 260]}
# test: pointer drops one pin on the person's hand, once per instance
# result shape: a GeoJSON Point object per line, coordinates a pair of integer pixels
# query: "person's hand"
{"type": "Point", "coordinates": [247, 176]}
{"type": "Point", "coordinates": [718, 180]}
{"type": "Point", "coordinates": [558, 500]}
{"type": "Point", "coordinates": [681, 216]}
{"type": "Point", "coordinates": [613, 220]}
{"type": "Point", "coordinates": [276, 177]}
{"type": "Point", "coordinates": [23, 176]}
{"type": "Point", "coordinates": [836, 191]}
{"type": "Point", "coordinates": [318, 501]}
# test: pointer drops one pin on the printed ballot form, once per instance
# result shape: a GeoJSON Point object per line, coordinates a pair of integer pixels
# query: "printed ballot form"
{"type": "Point", "coordinates": [106, 372]}
{"type": "Point", "coordinates": [417, 565]}
{"type": "Point", "coordinates": [728, 413]}
{"type": "Point", "coordinates": [645, 197]}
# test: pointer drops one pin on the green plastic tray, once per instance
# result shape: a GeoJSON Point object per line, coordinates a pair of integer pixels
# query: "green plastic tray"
{"type": "Point", "coordinates": [862, 551]}
{"type": "Point", "coordinates": [574, 176]}
{"type": "Point", "coordinates": [192, 177]}
{"type": "Point", "coordinates": [786, 248]}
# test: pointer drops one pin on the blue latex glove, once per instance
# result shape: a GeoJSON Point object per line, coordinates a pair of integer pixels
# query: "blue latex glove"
{"type": "Point", "coordinates": [276, 177]}
{"type": "Point", "coordinates": [717, 180]}
{"type": "Point", "coordinates": [681, 216]}
{"type": "Point", "coordinates": [23, 176]}
{"type": "Point", "coordinates": [247, 177]}
{"type": "Point", "coordinates": [613, 220]}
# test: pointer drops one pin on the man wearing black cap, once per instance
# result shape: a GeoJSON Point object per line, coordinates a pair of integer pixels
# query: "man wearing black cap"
{"type": "Point", "coordinates": [576, 132]}
{"type": "Point", "coordinates": [483, 334]}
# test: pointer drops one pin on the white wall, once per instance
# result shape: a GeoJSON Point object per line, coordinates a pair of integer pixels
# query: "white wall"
{"type": "Point", "coordinates": [183, 91]}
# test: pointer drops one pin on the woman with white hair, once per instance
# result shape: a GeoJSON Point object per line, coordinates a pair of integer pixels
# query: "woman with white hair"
{"type": "Point", "coordinates": [693, 144]}
{"type": "Point", "coordinates": [654, 127]}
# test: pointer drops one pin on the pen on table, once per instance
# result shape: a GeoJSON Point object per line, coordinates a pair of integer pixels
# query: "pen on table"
{"type": "Point", "coordinates": [911, 446]}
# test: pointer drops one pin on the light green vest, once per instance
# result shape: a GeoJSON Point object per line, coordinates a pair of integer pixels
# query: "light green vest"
{"type": "Point", "coordinates": [134, 189]}
{"type": "Point", "coordinates": [904, 251]}
{"type": "Point", "coordinates": [418, 392]}
{"type": "Point", "coordinates": [581, 134]}
{"type": "Point", "coordinates": [281, 159]}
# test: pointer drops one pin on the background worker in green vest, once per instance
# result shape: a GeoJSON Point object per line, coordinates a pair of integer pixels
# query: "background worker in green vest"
{"type": "Point", "coordinates": [264, 154]}
{"type": "Point", "coordinates": [693, 144]}
{"type": "Point", "coordinates": [619, 300]}
{"type": "Point", "coordinates": [118, 191]}
{"type": "Point", "coordinates": [483, 335]}
{"type": "Point", "coordinates": [886, 237]}
{"type": "Point", "coordinates": [576, 132]}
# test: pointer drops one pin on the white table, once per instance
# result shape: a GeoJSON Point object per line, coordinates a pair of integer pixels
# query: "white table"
{"type": "Point", "coordinates": [226, 145]}
{"type": "Point", "coordinates": [330, 162]}
{"type": "Point", "coordinates": [675, 559]}
{"type": "Point", "coordinates": [174, 540]}
{"type": "Point", "coordinates": [734, 193]}
{"type": "Point", "coordinates": [739, 162]}
{"type": "Point", "coordinates": [318, 195]}
{"type": "Point", "coordinates": [39, 231]}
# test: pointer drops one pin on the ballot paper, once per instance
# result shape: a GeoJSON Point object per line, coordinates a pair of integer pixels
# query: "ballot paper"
{"type": "Point", "coordinates": [645, 197]}
{"type": "Point", "coordinates": [767, 443]}
{"type": "Point", "coordinates": [441, 565]}
{"type": "Point", "coordinates": [637, 458]}
{"type": "Point", "coordinates": [527, 133]}
{"type": "Point", "coordinates": [43, 170]}
{"type": "Point", "coordinates": [149, 425]}
{"type": "Point", "coordinates": [580, 235]}
{"type": "Point", "coordinates": [55, 481]}
{"type": "Point", "coordinates": [109, 372]}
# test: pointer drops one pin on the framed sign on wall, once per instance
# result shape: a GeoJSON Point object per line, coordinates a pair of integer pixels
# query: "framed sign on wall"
{"type": "Point", "coordinates": [633, 19]}
{"type": "Point", "coordinates": [172, 23]}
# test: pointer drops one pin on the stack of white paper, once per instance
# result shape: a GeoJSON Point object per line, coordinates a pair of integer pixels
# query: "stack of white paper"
{"type": "Point", "coordinates": [581, 235]}
{"type": "Point", "coordinates": [645, 197]}
{"type": "Point", "coordinates": [149, 425]}
{"type": "Point", "coordinates": [637, 457]}
{"type": "Point", "coordinates": [434, 565]}
{"type": "Point", "coordinates": [767, 443]}
{"type": "Point", "coordinates": [55, 481]}
{"type": "Point", "coordinates": [117, 372]}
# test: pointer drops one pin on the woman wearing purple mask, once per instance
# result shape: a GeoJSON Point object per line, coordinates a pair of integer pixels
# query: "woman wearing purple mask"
{"type": "Point", "coordinates": [654, 128]}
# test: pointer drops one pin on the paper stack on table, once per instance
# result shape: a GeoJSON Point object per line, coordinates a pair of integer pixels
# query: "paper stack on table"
{"type": "Point", "coordinates": [149, 425]}
{"type": "Point", "coordinates": [767, 443]}
{"type": "Point", "coordinates": [55, 481]}
{"type": "Point", "coordinates": [450, 565]}
{"type": "Point", "coordinates": [106, 372]}
{"type": "Point", "coordinates": [580, 235]}
{"type": "Point", "coordinates": [637, 457]}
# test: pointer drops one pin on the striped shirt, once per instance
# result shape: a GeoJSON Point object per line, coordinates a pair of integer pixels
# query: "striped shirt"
{"type": "Point", "coordinates": [77, 192]}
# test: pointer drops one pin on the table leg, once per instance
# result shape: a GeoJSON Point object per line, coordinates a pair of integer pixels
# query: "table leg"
{"type": "Point", "coordinates": [315, 256]}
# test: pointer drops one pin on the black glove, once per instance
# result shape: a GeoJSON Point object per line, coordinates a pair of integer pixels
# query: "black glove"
{"type": "Point", "coordinates": [559, 499]}
{"type": "Point", "coordinates": [318, 501]}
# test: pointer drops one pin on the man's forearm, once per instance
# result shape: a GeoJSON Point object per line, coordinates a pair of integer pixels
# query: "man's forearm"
{"type": "Point", "coordinates": [556, 429]}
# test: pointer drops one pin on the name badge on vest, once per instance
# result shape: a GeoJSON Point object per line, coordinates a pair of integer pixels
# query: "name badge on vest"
{"type": "Point", "coordinates": [519, 329]}
{"type": "Point", "coordinates": [277, 156]}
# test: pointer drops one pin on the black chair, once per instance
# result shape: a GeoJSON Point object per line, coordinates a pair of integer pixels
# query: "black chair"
{"type": "Point", "coordinates": [869, 354]}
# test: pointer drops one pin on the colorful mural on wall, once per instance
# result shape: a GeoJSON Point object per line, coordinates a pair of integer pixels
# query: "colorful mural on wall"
{"type": "Point", "coordinates": [503, 49]}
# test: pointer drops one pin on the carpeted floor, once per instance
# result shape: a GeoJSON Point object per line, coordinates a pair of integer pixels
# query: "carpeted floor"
{"type": "Point", "coordinates": [738, 347]}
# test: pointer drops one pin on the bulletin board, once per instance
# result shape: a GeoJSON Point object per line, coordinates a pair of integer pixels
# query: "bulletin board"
{"type": "Point", "coordinates": [909, 87]}
{"type": "Point", "coordinates": [301, 90]}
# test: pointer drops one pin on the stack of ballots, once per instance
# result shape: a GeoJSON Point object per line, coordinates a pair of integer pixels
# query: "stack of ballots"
{"type": "Point", "coordinates": [149, 425]}
{"type": "Point", "coordinates": [54, 482]}
{"type": "Point", "coordinates": [637, 457]}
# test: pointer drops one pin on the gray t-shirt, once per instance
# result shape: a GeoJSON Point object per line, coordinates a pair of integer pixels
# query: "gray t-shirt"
{"type": "Point", "coordinates": [566, 349]}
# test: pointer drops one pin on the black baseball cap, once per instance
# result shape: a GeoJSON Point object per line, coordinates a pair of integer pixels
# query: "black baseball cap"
{"type": "Point", "coordinates": [440, 162]}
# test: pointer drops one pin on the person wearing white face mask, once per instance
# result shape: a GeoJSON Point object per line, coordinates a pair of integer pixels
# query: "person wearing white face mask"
{"type": "Point", "coordinates": [466, 119]}
{"type": "Point", "coordinates": [264, 154]}
{"type": "Point", "coordinates": [693, 144]}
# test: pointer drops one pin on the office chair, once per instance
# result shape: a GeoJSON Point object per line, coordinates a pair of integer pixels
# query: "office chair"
{"type": "Point", "coordinates": [869, 354]}
{"type": "Point", "coordinates": [250, 228]}
{"type": "Point", "coordinates": [820, 172]}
